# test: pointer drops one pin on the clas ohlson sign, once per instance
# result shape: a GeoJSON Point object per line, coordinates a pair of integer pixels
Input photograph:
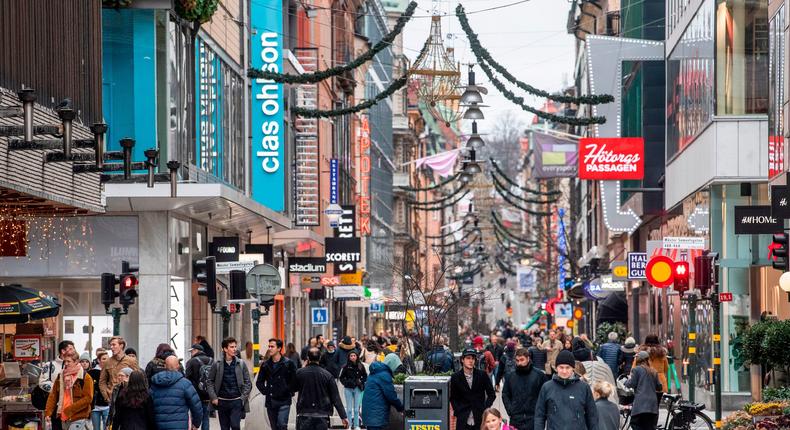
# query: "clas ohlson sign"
{"type": "Point", "coordinates": [268, 147]}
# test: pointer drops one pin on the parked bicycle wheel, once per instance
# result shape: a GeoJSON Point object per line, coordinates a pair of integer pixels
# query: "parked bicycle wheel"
{"type": "Point", "coordinates": [690, 420]}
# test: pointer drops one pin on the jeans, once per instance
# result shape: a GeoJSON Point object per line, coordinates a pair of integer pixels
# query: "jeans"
{"type": "Point", "coordinates": [311, 423]}
{"type": "Point", "coordinates": [206, 415]}
{"type": "Point", "coordinates": [278, 416]}
{"type": "Point", "coordinates": [230, 414]}
{"type": "Point", "coordinates": [353, 405]}
{"type": "Point", "coordinates": [99, 419]}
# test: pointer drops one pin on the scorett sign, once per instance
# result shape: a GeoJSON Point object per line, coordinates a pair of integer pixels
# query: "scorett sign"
{"type": "Point", "coordinates": [343, 250]}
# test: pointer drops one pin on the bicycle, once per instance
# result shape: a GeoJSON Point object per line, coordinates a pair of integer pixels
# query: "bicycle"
{"type": "Point", "coordinates": [681, 415]}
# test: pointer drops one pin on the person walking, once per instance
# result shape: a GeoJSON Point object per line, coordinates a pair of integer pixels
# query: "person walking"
{"type": "Point", "coordinates": [353, 377]}
{"type": "Point", "coordinates": [565, 402]}
{"type": "Point", "coordinates": [49, 374]}
{"type": "Point", "coordinates": [378, 396]}
{"type": "Point", "coordinates": [440, 360]}
{"type": "Point", "coordinates": [552, 346]}
{"type": "Point", "coordinates": [658, 361]}
{"type": "Point", "coordinates": [521, 390]}
{"type": "Point", "coordinates": [471, 392]}
{"type": "Point", "coordinates": [117, 361]}
{"type": "Point", "coordinates": [629, 353]}
{"type": "Point", "coordinates": [229, 386]}
{"type": "Point", "coordinates": [611, 353]}
{"type": "Point", "coordinates": [293, 355]}
{"type": "Point", "coordinates": [275, 378]}
{"type": "Point", "coordinates": [492, 420]}
{"type": "Point", "coordinates": [71, 395]}
{"type": "Point", "coordinates": [317, 395]}
{"type": "Point", "coordinates": [123, 377]}
{"type": "Point", "coordinates": [157, 364]}
{"type": "Point", "coordinates": [537, 354]}
{"type": "Point", "coordinates": [101, 408]}
{"type": "Point", "coordinates": [608, 412]}
{"type": "Point", "coordinates": [507, 363]}
{"type": "Point", "coordinates": [330, 360]}
{"type": "Point", "coordinates": [485, 359]}
{"type": "Point", "coordinates": [195, 369]}
{"type": "Point", "coordinates": [134, 408]}
{"type": "Point", "coordinates": [346, 346]}
{"type": "Point", "coordinates": [645, 383]}
{"type": "Point", "coordinates": [174, 398]}
{"type": "Point", "coordinates": [206, 346]}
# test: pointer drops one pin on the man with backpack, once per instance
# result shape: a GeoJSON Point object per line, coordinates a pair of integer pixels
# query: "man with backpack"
{"type": "Point", "coordinates": [274, 381]}
{"type": "Point", "coordinates": [507, 363]}
{"type": "Point", "coordinates": [485, 359]}
{"type": "Point", "coordinates": [229, 386]}
{"type": "Point", "coordinates": [197, 371]}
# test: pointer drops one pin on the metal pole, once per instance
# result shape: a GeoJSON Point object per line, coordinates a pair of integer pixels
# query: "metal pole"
{"type": "Point", "coordinates": [716, 305]}
{"type": "Point", "coordinates": [256, 339]}
{"type": "Point", "coordinates": [116, 321]}
{"type": "Point", "coordinates": [127, 144]}
{"type": "Point", "coordinates": [692, 300]}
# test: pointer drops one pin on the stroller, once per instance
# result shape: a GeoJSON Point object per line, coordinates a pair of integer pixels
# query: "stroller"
{"type": "Point", "coordinates": [625, 394]}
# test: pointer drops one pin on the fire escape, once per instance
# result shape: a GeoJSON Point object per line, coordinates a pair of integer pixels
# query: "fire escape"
{"type": "Point", "coordinates": [307, 166]}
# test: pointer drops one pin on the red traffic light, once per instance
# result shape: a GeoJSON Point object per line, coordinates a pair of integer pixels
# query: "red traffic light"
{"type": "Point", "coordinates": [128, 290]}
{"type": "Point", "coordinates": [681, 272]}
{"type": "Point", "coordinates": [129, 282]}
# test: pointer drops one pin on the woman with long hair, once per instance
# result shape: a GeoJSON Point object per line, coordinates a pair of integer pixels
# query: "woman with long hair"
{"type": "Point", "coordinates": [134, 409]}
{"type": "Point", "coordinates": [157, 364]}
{"type": "Point", "coordinates": [353, 377]}
{"type": "Point", "coordinates": [492, 420]}
{"type": "Point", "coordinates": [72, 393]}
{"type": "Point", "coordinates": [644, 381]}
{"type": "Point", "coordinates": [658, 360]}
{"type": "Point", "coordinates": [292, 354]}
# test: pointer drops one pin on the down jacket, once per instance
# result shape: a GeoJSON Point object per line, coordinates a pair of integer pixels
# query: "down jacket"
{"type": "Point", "coordinates": [174, 397]}
{"type": "Point", "coordinates": [566, 404]}
{"type": "Point", "coordinates": [612, 355]}
{"type": "Point", "coordinates": [378, 396]}
{"type": "Point", "coordinates": [520, 395]}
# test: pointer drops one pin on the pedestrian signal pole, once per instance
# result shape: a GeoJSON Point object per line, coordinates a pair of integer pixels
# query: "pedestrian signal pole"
{"type": "Point", "coordinates": [126, 293]}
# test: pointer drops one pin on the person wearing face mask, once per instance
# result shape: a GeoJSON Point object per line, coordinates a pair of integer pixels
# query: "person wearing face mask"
{"type": "Point", "coordinates": [565, 402]}
{"type": "Point", "coordinates": [521, 390]}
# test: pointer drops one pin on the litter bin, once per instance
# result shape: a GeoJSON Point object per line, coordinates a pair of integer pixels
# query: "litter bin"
{"type": "Point", "coordinates": [426, 403]}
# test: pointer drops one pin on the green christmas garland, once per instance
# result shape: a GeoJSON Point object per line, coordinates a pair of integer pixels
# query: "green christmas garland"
{"type": "Point", "coordinates": [502, 267]}
{"type": "Point", "coordinates": [483, 55]}
{"type": "Point", "coordinates": [438, 208]}
{"type": "Point", "coordinates": [441, 200]}
{"type": "Point", "coordinates": [528, 201]}
{"type": "Point", "coordinates": [518, 206]}
{"type": "Point", "coordinates": [526, 190]}
{"type": "Point", "coordinates": [318, 76]}
{"type": "Point", "coordinates": [315, 113]}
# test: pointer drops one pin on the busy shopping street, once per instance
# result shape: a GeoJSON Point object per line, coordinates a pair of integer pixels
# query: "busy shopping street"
{"type": "Point", "coordinates": [394, 215]}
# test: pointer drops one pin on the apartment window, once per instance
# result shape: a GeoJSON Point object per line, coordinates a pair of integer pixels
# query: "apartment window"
{"type": "Point", "coordinates": [776, 85]}
{"type": "Point", "coordinates": [741, 57]}
{"type": "Point", "coordinates": [690, 74]}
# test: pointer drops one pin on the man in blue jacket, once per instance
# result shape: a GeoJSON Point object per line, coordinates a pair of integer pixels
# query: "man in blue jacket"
{"type": "Point", "coordinates": [378, 396]}
{"type": "Point", "coordinates": [611, 353]}
{"type": "Point", "coordinates": [174, 398]}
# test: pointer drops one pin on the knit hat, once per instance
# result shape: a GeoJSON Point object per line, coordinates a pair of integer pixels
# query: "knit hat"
{"type": "Point", "coordinates": [85, 357]}
{"type": "Point", "coordinates": [330, 343]}
{"type": "Point", "coordinates": [478, 341]}
{"type": "Point", "coordinates": [565, 357]}
{"type": "Point", "coordinates": [642, 355]}
{"type": "Point", "coordinates": [130, 350]}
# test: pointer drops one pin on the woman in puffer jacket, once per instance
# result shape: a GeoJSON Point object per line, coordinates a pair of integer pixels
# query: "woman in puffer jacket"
{"type": "Point", "coordinates": [72, 393]}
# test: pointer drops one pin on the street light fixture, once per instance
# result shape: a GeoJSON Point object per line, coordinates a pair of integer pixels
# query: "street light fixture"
{"type": "Point", "coordinates": [472, 93]}
{"type": "Point", "coordinates": [475, 141]}
{"type": "Point", "coordinates": [473, 112]}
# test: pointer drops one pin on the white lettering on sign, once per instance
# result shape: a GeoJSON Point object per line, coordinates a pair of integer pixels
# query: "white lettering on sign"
{"type": "Point", "coordinates": [343, 257]}
{"type": "Point", "coordinates": [226, 249]}
{"type": "Point", "coordinates": [178, 334]}
{"type": "Point", "coordinates": [269, 104]}
{"type": "Point", "coordinates": [758, 219]}
{"type": "Point", "coordinates": [602, 155]}
{"type": "Point", "coordinates": [208, 105]}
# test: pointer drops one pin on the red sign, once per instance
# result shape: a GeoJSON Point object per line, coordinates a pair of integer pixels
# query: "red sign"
{"type": "Point", "coordinates": [776, 155]}
{"type": "Point", "coordinates": [611, 158]}
{"type": "Point", "coordinates": [660, 271]}
{"type": "Point", "coordinates": [330, 281]}
{"type": "Point", "coordinates": [363, 168]}
{"type": "Point", "coordinates": [725, 297]}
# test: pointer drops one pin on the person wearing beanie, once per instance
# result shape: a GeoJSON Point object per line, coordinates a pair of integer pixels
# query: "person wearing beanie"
{"type": "Point", "coordinates": [647, 393]}
{"type": "Point", "coordinates": [485, 359]}
{"type": "Point", "coordinates": [611, 353]}
{"type": "Point", "coordinates": [85, 361]}
{"type": "Point", "coordinates": [347, 344]}
{"type": "Point", "coordinates": [565, 390]}
{"type": "Point", "coordinates": [330, 360]}
{"type": "Point", "coordinates": [471, 392]}
{"type": "Point", "coordinates": [629, 353]}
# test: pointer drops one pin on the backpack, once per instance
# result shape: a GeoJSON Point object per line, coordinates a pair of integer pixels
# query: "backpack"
{"type": "Point", "coordinates": [482, 364]}
{"type": "Point", "coordinates": [510, 363]}
{"type": "Point", "coordinates": [203, 377]}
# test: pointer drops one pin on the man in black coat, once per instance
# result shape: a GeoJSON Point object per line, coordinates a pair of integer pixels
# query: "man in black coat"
{"type": "Point", "coordinates": [274, 381]}
{"type": "Point", "coordinates": [192, 372]}
{"type": "Point", "coordinates": [330, 360]}
{"type": "Point", "coordinates": [521, 390]}
{"type": "Point", "coordinates": [317, 395]}
{"type": "Point", "coordinates": [471, 393]}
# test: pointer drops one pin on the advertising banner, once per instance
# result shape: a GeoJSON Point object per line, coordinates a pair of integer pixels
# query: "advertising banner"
{"type": "Point", "coordinates": [611, 158]}
{"type": "Point", "coordinates": [268, 146]}
{"type": "Point", "coordinates": [637, 261]}
{"type": "Point", "coordinates": [776, 155]}
{"type": "Point", "coordinates": [224, 248]}
{"type": "Point", "coordinates": [780, 201]}
{"type": "Point", "coordinates": [342, 250]}
{"type": "Point", "coordinates": [333, 181]}
{"type": "Point", "coordinates": [756, 220]}
{"type": "Point", "coordinates": [347, 228]}
{"type": "Point", "coordinates": [555, 157]}
{"type": "Point", "coordinates": [27, 347]}
{"type": "Point", "coordinates": [527, 281]}
{"type": "Point", "coordinates": [306, 265]}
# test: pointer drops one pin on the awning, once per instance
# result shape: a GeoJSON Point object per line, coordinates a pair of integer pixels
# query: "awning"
{"type": "Point", "coordinates": [613, 309]}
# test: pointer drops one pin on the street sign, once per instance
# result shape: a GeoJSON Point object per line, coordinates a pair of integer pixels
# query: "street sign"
{"type": "Point", "coordinates": [563, 310]}
{"type": "Point", "coordinates": [637, 261]}
{"type": "Point", "coordinates": [264, 282]}
{"type": "Point", "coordinates": [227, 266]}
{"type": "Point", "coordinates": [780, 201]}
{"type": "Point", "coordinates": [320, 316]}
{"type": "Point", "coordinates": [376, 308]}
{"type": "Point", "coordinates": [659, 271]}
{"type": "Point", "coordinates": [725, 297]}
{"type": "Point", "coordinates": [688, 242]}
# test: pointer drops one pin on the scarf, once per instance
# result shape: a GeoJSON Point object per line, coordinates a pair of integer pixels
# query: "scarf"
{"type": "Point", "coordinates": [65, 396]}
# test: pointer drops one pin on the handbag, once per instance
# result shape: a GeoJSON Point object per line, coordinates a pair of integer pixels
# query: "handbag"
{"type": "Point", "coordinates": [40, 393]}
{"type": "Point", "coordinates": [78, 425]}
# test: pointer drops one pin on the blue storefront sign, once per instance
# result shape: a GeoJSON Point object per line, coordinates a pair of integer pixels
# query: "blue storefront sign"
{"type": "Point", "coordinates": [268, 147]}
{"type": "Point", "coordinates": [333, 181]}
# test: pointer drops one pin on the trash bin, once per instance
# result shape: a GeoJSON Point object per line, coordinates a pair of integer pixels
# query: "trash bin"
{"type": "Point", "coordinates": [426, 403]}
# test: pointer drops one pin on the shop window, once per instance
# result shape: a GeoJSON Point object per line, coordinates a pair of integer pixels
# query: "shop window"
{"type": "Point", "coordinates": [741, 57]}
{"type": "Point", "coordinates": [776, 93]}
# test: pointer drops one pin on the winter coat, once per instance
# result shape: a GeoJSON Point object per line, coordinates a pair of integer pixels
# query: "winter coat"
{"type": "Point", "coordinates": [658, 361]}
{"type": "Point", "coordinates": [598, 370]}
{"type": "Point", "coordinates": [98, 399]}
{"type": "Point", "coordinates": [538, 356]}
{"type": "Point", "coordinates": [506, 366]}
{"type": "Point", "coordinates": [129, 418]}
{"type": "Point", "coordinates": [342, 352]}
{"type": "Point", "coordinates": [394, 363]}
{"type": "Point", "coordinates": [353, 375]}
{"type": "Point", "coordinates": [214, 383]}
{"type": "Point", "coordinates": [608, 415]}
{"type": "Point", "coordinates": [331, 362]}
{"type": "Point", "coordinates": [174, 398]}
{"type": "Point", "coordinates": [551, 355]}
{"type": "Point", "coordinates": [275, 380]}
{"type": "Point", "coordinates": [612, 355]}
{"type": "Point", "coordinates": [473, 400]}
{"type": "Point", "coordinates": [379, 395]}
{"type": "Point", "coordinates": [645, 386]}
{"type": "Point", "coordinates": [440, 360]}
{"type": "Point", "coordinates": [520, 395]}
{"type": "Point", "coordinates": [109, 372]}
{"type": "Point", "coordinates": [566, 404]}
{"type": "Point", "coordinates": [192, 372]}
{"type": "Point", "coordinates": [628, 362]}
{"type": "Point", "coordinates": [317, 392]}
{"type": "Point", "coordinates": [81, 397]}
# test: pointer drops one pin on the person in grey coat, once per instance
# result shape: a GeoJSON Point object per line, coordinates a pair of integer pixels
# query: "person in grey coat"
{"type": "Point", "coordinates": [229, 387]}
{"type": "Point", "coordinates": [565, 402]}
{"type": "Point", "coordinates": [644, 382]}
{"type": "Point", "coordinates": [608, 412]}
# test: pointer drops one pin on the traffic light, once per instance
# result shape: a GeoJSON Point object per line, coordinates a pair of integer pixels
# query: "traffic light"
{"type": "Point", "coordinates": [703, 270]}
{"type": "Point", "coordinates": [779, 250]}
{"type": "Point", "coordinates": [108, 292]}
{"type": "Point", "coordinates": [206, 275]}
{"type": "Point", "coordinates": [128, 287]}
{"type": "Point", "coordinates": [238, 285]}
{"type": "Point", "coordinates": [681, 272]}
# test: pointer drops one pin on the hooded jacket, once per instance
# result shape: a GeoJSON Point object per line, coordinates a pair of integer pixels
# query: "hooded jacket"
{"type": "Point", "coordinates": [378, 396]}
{"type": "Point", "coordinates": [353, 375]}
{"type": "Point", "coordinates": [565, 404]}
{"type": "Point", "coordinates": [658, 361]}
{"type": "Point", "coordinates": [520, 395]}
{"type": "Point", "coordinates": [473, 400]}
{"type": "Point", "coordinates": [394, 363]}
{"type": "Point", "coordinates": [174, 398]}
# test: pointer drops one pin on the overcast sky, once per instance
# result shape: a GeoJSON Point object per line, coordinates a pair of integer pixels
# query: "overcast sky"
{"type": "Point", "coordinates": [529, 38]}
